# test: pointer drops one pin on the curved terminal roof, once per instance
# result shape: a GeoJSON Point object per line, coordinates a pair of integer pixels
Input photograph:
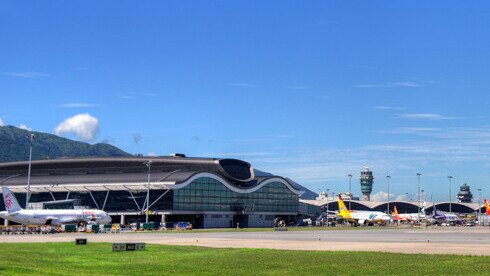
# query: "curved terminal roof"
{"type": "Point", "coordinates": [231, 169]}
{"type": "Point", "coordinates": [131, 173]}
{"type": "Point", "coordinates": [381, 205]}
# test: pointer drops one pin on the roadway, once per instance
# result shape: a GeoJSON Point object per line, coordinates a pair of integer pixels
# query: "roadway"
{"type": "Point", "coordinates": [437, 240]}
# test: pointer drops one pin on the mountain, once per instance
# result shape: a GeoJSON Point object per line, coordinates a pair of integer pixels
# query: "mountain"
{"type": "Point", "coordinates": [308, 194]}
{"type": "Point", "coordinates": [14, 146]}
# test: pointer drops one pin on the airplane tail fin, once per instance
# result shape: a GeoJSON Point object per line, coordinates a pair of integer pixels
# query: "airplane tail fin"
{"type": "Point", "coordinates": [434, 211]}
{"type": "Point", "coordinates": [343, 211]}
{"type": "Point", "coordinates": [395, 211]}
{"type": "Point", "coordinates": [11, 204]}
{"type": "Point", "coordinates": [424, 206]}
{"type": "Point", "coordinates": [487, 208]}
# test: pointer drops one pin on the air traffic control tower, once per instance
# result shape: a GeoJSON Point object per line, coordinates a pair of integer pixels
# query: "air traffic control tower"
{"type": "Point", "coordinates": [366, 179]}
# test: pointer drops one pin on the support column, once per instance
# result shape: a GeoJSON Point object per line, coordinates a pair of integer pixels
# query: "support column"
{"type": "Point", "coordinates": [163, 222]}
{"type": "Point", "coordinates": [123, 219]}
{"type": "Point", "coordinates": [6, 222]}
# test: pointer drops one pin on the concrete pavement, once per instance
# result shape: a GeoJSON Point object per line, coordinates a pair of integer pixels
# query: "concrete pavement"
{"type": "Point", "coordinates": [438, 240]}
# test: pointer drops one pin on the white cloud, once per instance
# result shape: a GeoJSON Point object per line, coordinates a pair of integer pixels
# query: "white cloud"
{"type": "Point", "coordinates": [131, 96]}
{"type": "Point", "coordinates": [380, 196]}
{"type": "Point", "coordinates": [78, 105]}
{"type": "Point", "coordinates": [27, 75]}
{"type": "Point", "coordinates": [383, 197]}
{"type": "Point", "coordinates": [402, 84]}
{"type": "Point", "coordinates": [2, 123]}
{"type": "Point", "coordinates": [417, 130]}
{"type": "Point", "coordinates": [404, 197]}
{"type": "Point", "coordinates": [152, 154]}
{"type": "Point", "coordinates": [435, 152]}
{"type": "Point", "coordinates": [84, 126]}
{"type": "Point", "coordinates": [22, 126]}
{"type": "Point", "coordinates": [444, 148]}
{"type": "Point", "coordinates": [384, 107]}
{"type": "Point", "coordinates": [406, 84]}
{"type": "Point", "coordinates": [426, 116]}
{"type": "Point", "coordinates": [237, 154]}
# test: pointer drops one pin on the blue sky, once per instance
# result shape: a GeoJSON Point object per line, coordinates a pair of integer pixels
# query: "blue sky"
{"type": "Point", "coordinates": [313, 92]}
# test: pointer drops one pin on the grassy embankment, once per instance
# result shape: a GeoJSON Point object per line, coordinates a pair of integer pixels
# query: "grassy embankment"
{"type": "Point", "coordinates": [98, 259]}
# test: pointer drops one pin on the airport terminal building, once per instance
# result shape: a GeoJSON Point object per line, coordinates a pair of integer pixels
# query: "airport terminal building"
{"type": "Point", "coordinates": [208, 192]}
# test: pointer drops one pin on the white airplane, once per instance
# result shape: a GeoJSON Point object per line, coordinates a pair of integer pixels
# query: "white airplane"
{"type": "Point", "coordinates": [48, 217]}
{"type": "Point", "coordinates": [439, 218]}
{"type": "Point", "coordinates": [409, 216]}
{"type": "Point", "coordinates": [361, 217]}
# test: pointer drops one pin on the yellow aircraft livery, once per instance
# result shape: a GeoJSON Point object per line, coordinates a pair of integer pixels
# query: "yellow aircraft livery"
{"type": "Point", "coordinates": [361, 217]}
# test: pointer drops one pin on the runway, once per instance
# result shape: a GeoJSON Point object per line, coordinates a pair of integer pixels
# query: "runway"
{"type": "Point", "coordinates": [439, 240]}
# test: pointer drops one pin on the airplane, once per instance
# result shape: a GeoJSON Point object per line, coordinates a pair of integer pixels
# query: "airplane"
{"type": "Point", "coordinates": [361, 217]}
{"type": "Point", "coordinates": [439, 218]}
{"type": "Point", "coordinates": [48, 217]}
{"type": "Point", "coordinates": [408, 216]}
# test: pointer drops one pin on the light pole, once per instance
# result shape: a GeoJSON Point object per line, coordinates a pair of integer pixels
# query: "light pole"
{"type": "Point", "coordinates": [422, 194]}
{"type": "Point", "coordinates": [31, 139]}
{"type": "Point", "coordinates": [148, 164]}
{"type": "Point", "coordinates": [418, 197]}
{"type": "Point", "coordinates": [327, 190]}
{"type": "Point", "coordinates": [350, 190]}
{"type": "Point", "coordinates": [388, 207]}
{"type": "Point", "coordinates": [479, 207]}
{"type": "Point", "coordinates": [450, 178]}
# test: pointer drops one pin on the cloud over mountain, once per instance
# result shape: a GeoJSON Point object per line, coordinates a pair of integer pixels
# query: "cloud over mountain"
{"type": "Point", "coordinates": [84, 126]}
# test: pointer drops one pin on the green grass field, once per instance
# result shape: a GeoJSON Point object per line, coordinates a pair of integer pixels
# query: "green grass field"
{"type": "Point", "coordinates": [98, 259]}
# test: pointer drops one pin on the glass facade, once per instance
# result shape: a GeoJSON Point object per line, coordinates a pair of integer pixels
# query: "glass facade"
{"type": "Point", "coordinates": [202, 195]}
{"type": "Point", "coordinates": [208, 194]}
{"type": "Point", "coordinates": [116, 201]}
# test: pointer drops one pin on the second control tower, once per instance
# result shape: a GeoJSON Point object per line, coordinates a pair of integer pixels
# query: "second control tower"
{"type": "Point", "coordinates": [366, 179]}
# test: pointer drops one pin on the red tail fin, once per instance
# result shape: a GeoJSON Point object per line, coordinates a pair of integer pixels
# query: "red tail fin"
{"type": "Point", "coordinates": [395, 213]}
{"type": "Point", "coordinates": [487, 208]}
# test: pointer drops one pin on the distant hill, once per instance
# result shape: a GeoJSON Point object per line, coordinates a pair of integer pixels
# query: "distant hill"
{"type": "Point", "coordinates": [14, 146]}
{"type": "Point", "coordinates": [308, 194]}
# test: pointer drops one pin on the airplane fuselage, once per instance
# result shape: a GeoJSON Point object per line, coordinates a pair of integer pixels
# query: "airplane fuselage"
{"type": "Point", "coordinates": [409, 217]}
{"type": "Point", "coordinates": [445, 217]}
{"type": "Point", "coordinates": [56, 217]}
{"type": "Point", "coordinates": [363, 217]}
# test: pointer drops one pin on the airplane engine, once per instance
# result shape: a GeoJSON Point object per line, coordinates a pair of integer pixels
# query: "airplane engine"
{"type": "Point", "coordinates": [362, 221]}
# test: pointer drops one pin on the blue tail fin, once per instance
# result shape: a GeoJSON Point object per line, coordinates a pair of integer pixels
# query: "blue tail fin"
{"type": "Point", "coordinates": [434, 210]}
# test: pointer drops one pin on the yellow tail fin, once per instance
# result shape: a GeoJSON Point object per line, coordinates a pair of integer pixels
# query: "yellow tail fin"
{"type": "Point", "coordinates": [343, 211]}
{"type": "Point", "coordinates": [395, 211]}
